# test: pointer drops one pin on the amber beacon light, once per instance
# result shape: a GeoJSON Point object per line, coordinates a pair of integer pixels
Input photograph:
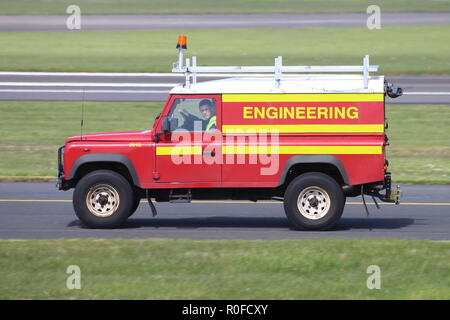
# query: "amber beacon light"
{"type": "Point", "coordinates": [182, 42]}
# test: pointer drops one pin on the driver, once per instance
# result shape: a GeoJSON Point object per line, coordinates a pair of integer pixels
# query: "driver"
{"type": "Point", "coordinates": [208, 113]}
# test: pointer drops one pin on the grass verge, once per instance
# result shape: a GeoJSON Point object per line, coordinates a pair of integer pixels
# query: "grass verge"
{"type": "Point", "coordinates": [232, 269]}
{"type": "Point", "coordinates": [419, 148]}
{"type": "Point", "coordinates": [32, 131]}
{"type": "Point", "coordinates": [58, 7]}
{"type": "Point", "coordinates": [407, 49]}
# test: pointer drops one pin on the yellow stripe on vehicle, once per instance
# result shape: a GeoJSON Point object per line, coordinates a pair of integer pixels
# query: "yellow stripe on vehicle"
{"type": "Point", "coordinates": [307, 128]}
{"type": "Point", "coordinates": [178, 150]}
{"type": "Point", "coordinates": [304, 97]}
{"type": "Point", "coordinates": [246, 149]}
{"type": "Point", "coordinates": [271, 149]}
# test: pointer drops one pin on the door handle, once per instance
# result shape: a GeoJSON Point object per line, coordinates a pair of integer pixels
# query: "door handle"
{"type": "Point", "coordinates": [212, 153]}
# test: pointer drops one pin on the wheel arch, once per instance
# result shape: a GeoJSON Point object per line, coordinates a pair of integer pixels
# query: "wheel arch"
{"type": "Point", "coordinates": [299, 164]}
{"type": "Point", "coordinates": [112, 161]}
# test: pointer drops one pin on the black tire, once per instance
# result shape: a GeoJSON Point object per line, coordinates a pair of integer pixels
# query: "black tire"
{"type": "Point", "coordinates": [136, 202]}
{"type": "Point", "coordinates": [320, 206]}
{"type": "Point", "coordinates": [111, 199]}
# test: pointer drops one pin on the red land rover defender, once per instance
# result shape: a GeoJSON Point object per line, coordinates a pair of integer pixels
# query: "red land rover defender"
{"type": "Point", "coordinates": [310, 140]}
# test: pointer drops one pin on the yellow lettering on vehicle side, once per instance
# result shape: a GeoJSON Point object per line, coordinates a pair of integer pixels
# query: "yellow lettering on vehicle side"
{"type": "Point", "coordinates": [352, 113]}
{"type": "Point", "coordinates": [303, 128]}
{"type": "Point", "coordinates": [248, 113]}
{"type": "Point", "coordinates": [300, 112]}
{"type": "Point", "coordinates": [272, 113]}
{"type": "Point", "coordinates": [135, 144]}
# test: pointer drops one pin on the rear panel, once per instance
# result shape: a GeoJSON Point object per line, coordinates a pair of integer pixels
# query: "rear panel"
{"type": "Point", "coordinates": [262, 131]}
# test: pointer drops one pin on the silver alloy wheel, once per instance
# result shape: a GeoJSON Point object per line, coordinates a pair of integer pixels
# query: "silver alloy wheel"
{"type": "Point", "coordinates": [313, 203]}
{"type": "Point", "coordinates": [102, 200]}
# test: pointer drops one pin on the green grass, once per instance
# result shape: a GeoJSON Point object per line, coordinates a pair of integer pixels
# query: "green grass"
{"type": "Point", "coordinates": [32, 131]}
{"type": "Point", "coordinates": [58, 7]}
{"type": "Point", "coordinates": [232, 269]}
{"type": "Point", "coordinates": [406, 49]}
{"type": "Point", "coordinates": [420, 143]}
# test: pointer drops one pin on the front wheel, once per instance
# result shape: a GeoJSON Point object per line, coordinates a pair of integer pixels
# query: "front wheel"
{"type": "Point", "coordinates": [314, 201]}
{"type": "Point", "coordinates": [103, 199]}
{"type": "Point", "coordinates": [136, 203]}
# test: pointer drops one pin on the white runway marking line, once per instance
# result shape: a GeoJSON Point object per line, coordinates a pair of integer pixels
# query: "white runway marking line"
{"type": "Point", "coordinates": [89, 74]}
{"type": "Point", "coordinates": [79, 91]}
{"type": "Point", "coordinates": [427, 93]}
{"type": "Point", "coordinates": [118, 85]}
{"type": "Point", "coordinates": [109, 74]}
{"type": "Point", "coordinates": [86, 84]}
{"type": "Point", "coordinates": [129, 74]}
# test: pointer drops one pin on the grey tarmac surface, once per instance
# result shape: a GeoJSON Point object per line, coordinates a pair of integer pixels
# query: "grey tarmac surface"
{"type": "Point", "coordinates": [418, 89]}
{"type": "Point", "coordinates": [220, 21]}
{"type": "Point", "coordinates": [425, 214]}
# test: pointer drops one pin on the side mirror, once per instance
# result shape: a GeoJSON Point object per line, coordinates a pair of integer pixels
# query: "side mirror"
{"type": "Point", "coordinates": [165, 126]}
{"type": "Point", "coordinates": [169, 125]}
{"type": "Point", "coordinates": [173, 124]}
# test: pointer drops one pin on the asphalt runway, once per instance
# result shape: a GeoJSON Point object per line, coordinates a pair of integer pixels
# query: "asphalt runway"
{"type": "Point", "coordinates": [418, 89]}
{"type": "Point", "coordinates": [40, 211]}
{"type": "Point", "coordinates": [220, 21]}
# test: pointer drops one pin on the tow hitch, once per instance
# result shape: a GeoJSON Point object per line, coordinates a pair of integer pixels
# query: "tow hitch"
{"type": "Point", "coordinates": [391, 196]}
{"type": "Point", "coordinates": [395, 195]}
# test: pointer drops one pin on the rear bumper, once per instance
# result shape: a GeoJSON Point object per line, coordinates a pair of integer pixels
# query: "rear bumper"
{"type": "Point", "coordinates": [381, 189]}
{"type": "Point", "coordinates": [391, 195]}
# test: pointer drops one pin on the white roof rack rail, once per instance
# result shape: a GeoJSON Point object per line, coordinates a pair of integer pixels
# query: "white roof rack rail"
{"type": "Point", "coordinates": [278, 69]}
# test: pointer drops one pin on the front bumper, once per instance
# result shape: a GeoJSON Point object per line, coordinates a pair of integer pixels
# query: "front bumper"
{"type": "Point", "coordinates": [61, 183]}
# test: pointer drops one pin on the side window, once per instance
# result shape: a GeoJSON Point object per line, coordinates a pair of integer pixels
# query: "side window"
{"type": "Point", "coordinates": [194, 114]}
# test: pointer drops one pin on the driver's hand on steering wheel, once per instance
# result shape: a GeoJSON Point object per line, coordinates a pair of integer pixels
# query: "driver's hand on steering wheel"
{"type": "Point", "coordinates": [185, 113]}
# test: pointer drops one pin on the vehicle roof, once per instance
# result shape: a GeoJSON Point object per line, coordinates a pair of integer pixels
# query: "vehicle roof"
{"type": "Point", "coordinates": [313, 83]}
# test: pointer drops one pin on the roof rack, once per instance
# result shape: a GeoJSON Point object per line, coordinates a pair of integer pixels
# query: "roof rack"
{"type": "Point", "coordinates": [277, 69]}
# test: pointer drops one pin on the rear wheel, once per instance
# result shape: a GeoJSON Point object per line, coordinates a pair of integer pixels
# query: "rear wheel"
{"type": "Point", "coordinates": [314, 201]}
{"type": "Point", "coordinates": [103, 199]}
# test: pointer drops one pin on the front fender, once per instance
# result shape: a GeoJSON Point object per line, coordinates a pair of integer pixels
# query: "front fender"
{"type": "Point", "coordinates": [104, 157]}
